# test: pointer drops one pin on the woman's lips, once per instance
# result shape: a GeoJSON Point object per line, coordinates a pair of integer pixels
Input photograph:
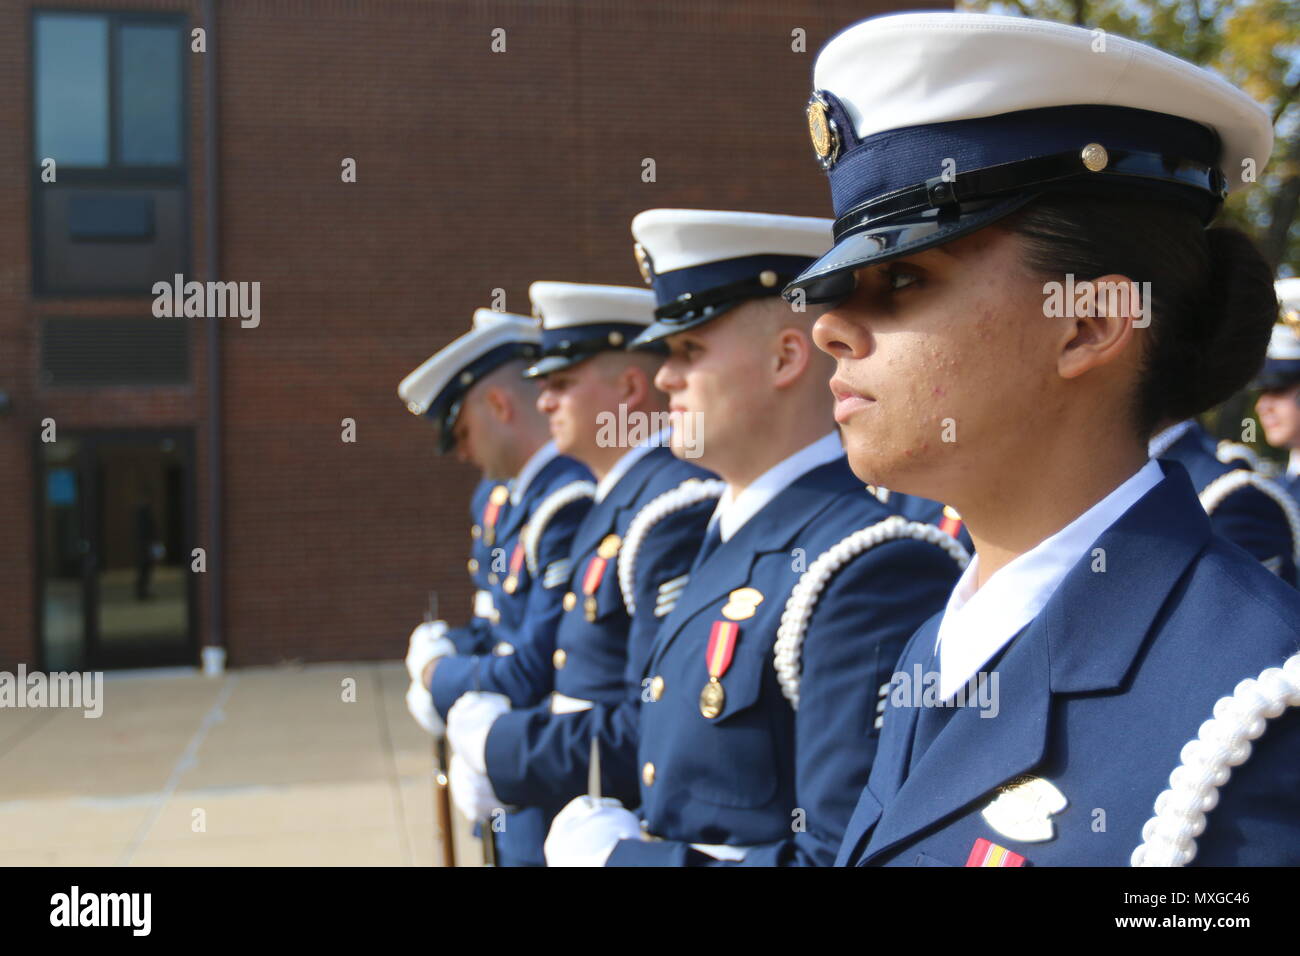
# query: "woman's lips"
{"type": "Point", "coordinates": [847, 401]}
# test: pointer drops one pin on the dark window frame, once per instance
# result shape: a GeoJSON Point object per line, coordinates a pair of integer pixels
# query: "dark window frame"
{"type": "Point", "coordinates": [114, 174]}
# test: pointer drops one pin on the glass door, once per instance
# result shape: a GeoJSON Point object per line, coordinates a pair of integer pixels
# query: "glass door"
{"type": "Point", "coordinates": [117, 517]}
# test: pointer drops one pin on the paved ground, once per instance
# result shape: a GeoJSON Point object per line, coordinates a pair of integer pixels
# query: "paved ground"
{"type": "Point", "coordinates": [265, 766]}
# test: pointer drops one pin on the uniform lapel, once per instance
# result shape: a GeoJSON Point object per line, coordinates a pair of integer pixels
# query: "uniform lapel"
{"type": "Point", "coordinates": [772, 529]}
{"type": "Point", "coordinates": [1085, 640]}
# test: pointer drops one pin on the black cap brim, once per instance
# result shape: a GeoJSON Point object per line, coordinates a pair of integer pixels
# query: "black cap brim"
{"type": "Point", "coordinates": [661, 329]}
{"type": "Point", "coordinates": [830, 278]}
{"type": "Point", "coordinates": [1272, 381]}
{"type": "Point", "coordinates": [554, 363]}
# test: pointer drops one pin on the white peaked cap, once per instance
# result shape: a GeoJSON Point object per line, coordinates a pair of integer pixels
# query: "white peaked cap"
{"type": "Point", "coordinates": [563, 305]}
{"type": "Point", "coordinates": [915, 69]}
{"type": "Point", "coordinates": [682, 238]}
{"type": "Point", "coordinates": [491, 330]}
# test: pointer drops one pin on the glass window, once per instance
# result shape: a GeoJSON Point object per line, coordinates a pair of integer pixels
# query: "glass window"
{"type": "Point", "coordinates": [72, 89]}
{"type": "Point", "coordinates": [149, 95]}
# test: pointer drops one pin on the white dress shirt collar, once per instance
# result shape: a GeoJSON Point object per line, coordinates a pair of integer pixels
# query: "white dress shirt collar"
{"type": "Point", "coordinates": [979, 623]}
{"type": "Point", "coordinates": [1166, 439]}
{"type": "Point", "coordinates": [734, 510]}
{"type": "Point", "coordinates": [630, 458]}
{"type": "Point", "coordinates": [539, 460]}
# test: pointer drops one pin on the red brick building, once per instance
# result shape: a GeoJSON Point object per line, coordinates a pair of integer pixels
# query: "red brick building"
{"type": "Point", "coordinates": [126, 442]}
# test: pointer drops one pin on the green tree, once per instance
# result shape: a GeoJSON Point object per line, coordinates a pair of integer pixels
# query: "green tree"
{"type": "Point", "coordinates": [1255, 45]}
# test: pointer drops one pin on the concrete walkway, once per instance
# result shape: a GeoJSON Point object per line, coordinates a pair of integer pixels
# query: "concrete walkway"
{"type": "Point", "coordinates": [264, 766]}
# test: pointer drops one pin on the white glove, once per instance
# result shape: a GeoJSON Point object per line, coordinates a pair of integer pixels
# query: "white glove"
{"type": "Point", "coordinates": [471, 791]}
{"type": "Point", "coordinates": [468, 723]}
{"type": "Point", "coordinates": [584, 834]}
{"type": "Point", "coordinates": [420, 703]}
{"type": "Point", "coordinates": [428, 641]}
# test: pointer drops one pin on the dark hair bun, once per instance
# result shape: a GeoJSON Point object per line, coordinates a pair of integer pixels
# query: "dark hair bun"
{"type": "Point", "coordinates": [1237, 310]}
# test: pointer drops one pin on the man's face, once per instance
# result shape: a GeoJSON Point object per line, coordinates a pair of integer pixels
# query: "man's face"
{"type": "Point", "coordinates": [944, 359]}
{"type": "Point", "coordinates": [1279, 413]}
{"type": "Point", "coordinates": [710, 376]}
{"type": "Point", "coordinates": [572, 398]}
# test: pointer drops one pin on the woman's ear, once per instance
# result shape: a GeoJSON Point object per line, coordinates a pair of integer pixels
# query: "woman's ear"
{"type": "Point", "coordinates": [791, 352]}
{"type": "Point", "coordinates": [1101, 322]}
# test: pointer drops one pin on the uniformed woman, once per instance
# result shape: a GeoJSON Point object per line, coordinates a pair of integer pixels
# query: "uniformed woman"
{"type": "Point", "coordinates": [1025, 285]}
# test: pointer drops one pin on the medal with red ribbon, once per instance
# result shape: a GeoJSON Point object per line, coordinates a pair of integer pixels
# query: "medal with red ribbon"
{"type": "Point", "coordinates": [516, 562]}
{"type": "Point", "coordinates": [590, 582]}
{"type": "Point", "coordinates": [722, 647]}
{"type": "Point", "coordinates": [951, 523]}
{"type": "Point", "coordinates": [492, 511]}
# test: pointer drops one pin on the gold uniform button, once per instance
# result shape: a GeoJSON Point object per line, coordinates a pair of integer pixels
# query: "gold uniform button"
{"type": "Point", "coordinates": [475, 531]}
{"type": "Point", "coordinates": [492, 578]}
{"type": "Point", "coordinates": [473, 566]}
{"type": "Point", "coordinates": [648, 774]}
{"type": "Point", "coordinates": [657, 687]}
{"type": "Point", "coordinates": [570, 601]}
{"type": "Point", "coordinates": [559, 658]}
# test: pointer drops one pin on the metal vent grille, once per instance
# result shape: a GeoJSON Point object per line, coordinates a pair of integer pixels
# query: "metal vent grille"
{"type": "Point", "coordinates": [80, 351]}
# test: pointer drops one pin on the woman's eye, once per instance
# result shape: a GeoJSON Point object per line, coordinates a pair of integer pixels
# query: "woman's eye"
{"type": "Point", "coordinates": [901, 280]}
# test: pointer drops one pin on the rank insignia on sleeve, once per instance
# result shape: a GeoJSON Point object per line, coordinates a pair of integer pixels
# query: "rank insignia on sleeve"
{"type": "Point", "coordinates": [669, 592]}
{"type": "Point", "coordinates": [984, 853]}
{"type": "Point", "coordinates": [1023, 809]}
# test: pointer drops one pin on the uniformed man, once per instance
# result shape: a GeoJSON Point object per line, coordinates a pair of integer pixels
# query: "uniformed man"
{"type": "Point", "coordinates": [604, 411]}
{"type": "Point", "coordinates": [474, 387]}
{"type": "Point", "coordinates": [437, 391]}
{"type": "Point", "coordinates": [1146, 666]}
{"type": "Point", "coordinates": [1244, 506]}
{"type": "Point", "coordinates": [1278, 404]}
{"type": "Point", "coordinates": [762, 684]}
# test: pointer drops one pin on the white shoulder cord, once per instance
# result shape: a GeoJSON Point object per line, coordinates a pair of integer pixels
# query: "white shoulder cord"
{"type": "Point", "coordinates": [1219, 489]}
{"type": "Point", "coordinates": [553, 504]}
{"type": "Point", "coordinates": [1169, 837]}
{"type": "Point", "coordinates": [803, 599]}
{"type": "Point", "coordinates": [1230, 451]}
{"type": "Point", "coordinates": [690, 492]}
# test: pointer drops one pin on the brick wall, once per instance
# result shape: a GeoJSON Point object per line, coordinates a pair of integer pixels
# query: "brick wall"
{"type": "Point", "coordinates": [476, 170]}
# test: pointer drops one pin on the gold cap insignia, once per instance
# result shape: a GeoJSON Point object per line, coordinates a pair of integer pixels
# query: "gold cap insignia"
{"type": "Point", "coordinates": [823, 131]}
{"type": "Point", "coordinates": [643, 263]}
{"type": "Point", "coordinates": [1023, 809]}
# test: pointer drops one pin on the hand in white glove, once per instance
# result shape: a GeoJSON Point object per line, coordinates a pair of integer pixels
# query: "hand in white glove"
{"type": "Point", "coordinates": [585, 834]}
{"type": "Point", "coordinates": [468, 723]}
{"type": "Point", "coordinates": [428, 641]}
{"type": "Point", "coordinates": [420, 703]}
{"type": "Point", "coordinates": [471, 791]}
